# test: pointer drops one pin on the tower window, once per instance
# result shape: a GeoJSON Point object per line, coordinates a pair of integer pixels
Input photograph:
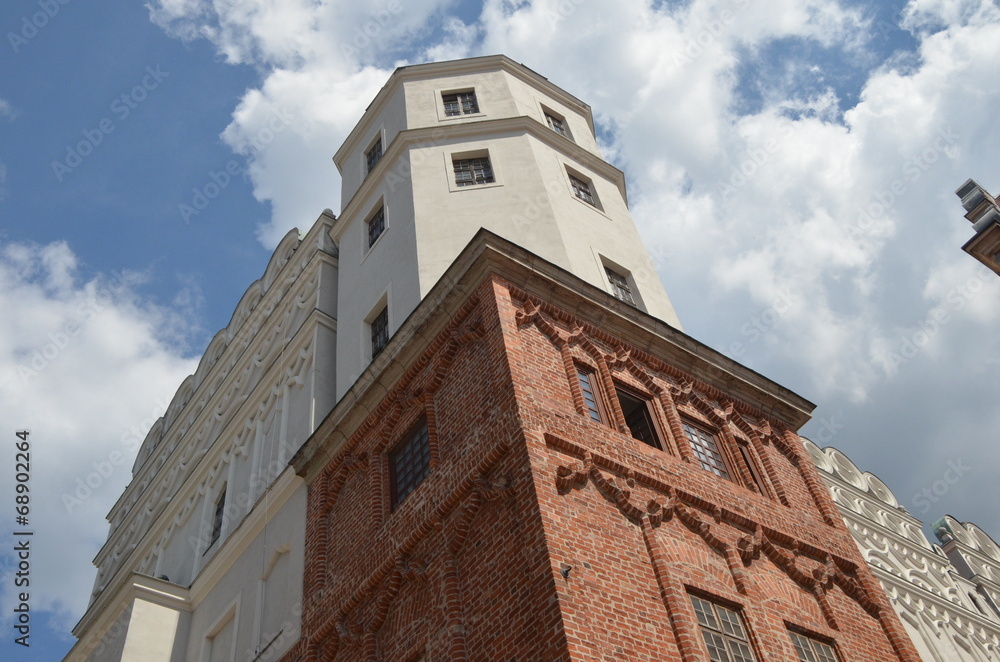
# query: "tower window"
{"type": "Point", "coordinates": [409, 463]}
{"type": "Point", "coordinates": [811, 650]}
{"type": "Point", "coordinates": [619, 286]}
{"type": "Point", "coordinates": [460, 103]}
{"type": "Point", "coordinates": [723, 632]}
{"type": "Point", "coordinates": [706, 450]}
{"type": "Point", "coordinates": [373, 155]}
{"type": "Point", "coordinates": [638, 417]}
{"type": "Point", "coordinates": [470, 172]}
{"type": "Point", "coordinates": [220, 511]}
{"type": "Point", "coordinates": [376, 226]}
{"type": "Point", "coordinates": [555, 123]}
{"type": "Point", "coordinates": [590, 394]}
{"type": "Point", "coordinates": [380, 331]}
{"type": "Point", "coordinates": [581, 189]}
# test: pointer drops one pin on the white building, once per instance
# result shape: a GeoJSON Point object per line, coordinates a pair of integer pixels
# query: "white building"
{"type": "Point", "coordinates": [204, 555]}
{"type": "Point", "coordinates": [947, 598]}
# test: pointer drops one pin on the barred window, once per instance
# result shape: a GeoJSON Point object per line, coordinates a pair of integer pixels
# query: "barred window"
{"type": "Point", "coordinates": [460, 103]}
{"type": "Point", "coordinates": [380, 331]}
{"type": "Point", "coordinates": [470, 172]}
{"type": "Point", "coordinates": [723, 632]}
{"type": "Point", "coordinates": [706, 450]}
{"type": "Point", "coordinates": [376, 226]}
{"type": "Point", "coordinates": [373, 155]}
{"type": "Point", "coordinates": [409, 463]}
{"type": "Point", "coordinates": [811, 650]}
{"type": "Point", "coordinates": [581, 189]}
{"type": "Point", "coordinates": [619, 286]}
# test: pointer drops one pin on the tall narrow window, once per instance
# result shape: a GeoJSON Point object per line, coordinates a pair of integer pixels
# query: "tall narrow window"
{"type": "Point", "coordinates": [638, 417]}
{"type": "Point", "coordinates": [590, 395]}
{"type": "Point", "coordinates": [706, 450]}
{"type": "Point", "coordinates": [380, 331]}
{"type": "Point", "coordinates": [409, 463]}
{"type": "Point", "coordinates": [723, 632]}
{"type": "Point", "coordinates": [811, 650]}
{"type": "Point", "coordinates": [557, 124]}
{"type": "Point", "coordinates": [373, 155]}
{"type": "Point", "coordinates": [470, 172]}
{"type": "Point", "coordinates": [460, 103]}
{"type": "Point", "coordinates": [619, 286]}
{"type": "Point", "coordinates": [220, 511]}
{"type": "Point", "coordinates": [376, 225]}
{"type": "Point", "coordinates": [581, 189]}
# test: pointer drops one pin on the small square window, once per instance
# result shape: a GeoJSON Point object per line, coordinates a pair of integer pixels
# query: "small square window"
{"type": "Point", "coordinates": [555, 123]}
{"type": "Point", "coordinates": [376, 226]}
{"type": "Point", "coordinates": [471, 172]}
{"type": "Point", "coordinates": [581, 189]}
{"type": "Point", "coordinates": [409, 463]}
{"type": "Point", "coordinates": [706, 450]}
{"type": "Point", "coordinates": [723, 632]}
{"type": "Point", "coordinates": [460, 103]}
{"type": "Point", "coordinates": [220, 511]}
{"type": "Point", "coordinates": [373, 155]}
{"type": "Point", "coordinates": [638, 417]}
{"type": "Point", "coordinates": [591, 398]}
{"type": "Point", "coordinates": [380, 331]}
{"type": "Point", "coordinates": [620, 286]}
{"type": "Point", "coordinates": [812, 650]}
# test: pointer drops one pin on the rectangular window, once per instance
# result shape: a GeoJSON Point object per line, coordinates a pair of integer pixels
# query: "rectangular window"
{"type": "Point", "coordinates": [723, 632]}
{"type": "Point", "coordinates": [460, 103]}
{"type": "Point", "coordinates": [409, 463]}
{"type": "Point", "coordinates": [638, 417]}
{"type": "Point", "coordinates": [706, 450]}
{"type": "Point", "coordinates": [619, 286]}
{"type": "Point", "coordinates": [380, 331]}
{"type": "Point", "coordinates": [470, 172]}
{"type": "Point", "coordinates": [557, 124]}
{"type": "Point", "coordinates": [220, 511]}
{"type": "Point", "coordinates": [373, 155]}
{"type": "Point", "coordinates": [376, 225]}
{"type": "Point", "coordinates": [811, 650]}
{"type": "Point", "coordinates": [590, 396]}
{"type": "Point", "coordinates": [581, 189]}
{"type": "Point", "coordinates": [748, 460]}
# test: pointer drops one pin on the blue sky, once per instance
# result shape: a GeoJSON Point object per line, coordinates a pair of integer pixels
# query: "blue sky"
{"type": "Point", "coordinates": [791, 167]}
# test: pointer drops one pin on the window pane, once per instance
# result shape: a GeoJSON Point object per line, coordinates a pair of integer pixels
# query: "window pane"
{"type": "Point", "coordinates": [460, 103]}
{"type": "Point", "coordinates": [374, 154]}
{"type": "Point", "coordinates": [723, 632]}
{"type": "Point", "coordinates": [376, 226]}
{"type": "Point", "coordinates": [581, 189]}
{"type": "Point", "coordinates": [589, 397]}
{"type": "Point", "coordinates": [703, 609]}
{"type": "Point", "coordinates": [638, 418]}
{"type": "Point", "coordinates": [380, 331]}
{"type": "Point", "coordinates": [619, 286]}
{"type": "Point", "coordinates": [469, 172]}
{"type": "Point", "coordinates": [556, 124]}
{"type": "Point", "coordinates": [410, 463]}
{"type": "Point", "coordinates": [703, 445]}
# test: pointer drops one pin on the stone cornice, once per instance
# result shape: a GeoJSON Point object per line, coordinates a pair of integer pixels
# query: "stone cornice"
{"type": "Point", "coordinates": [454, 68]}
{"type": "Point", "coordinates": [433, 134]}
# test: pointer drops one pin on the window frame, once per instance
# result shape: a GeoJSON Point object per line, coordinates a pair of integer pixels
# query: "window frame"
{"type": "Point", "coordinates": [577, 183]}
{"type": "Point", "coordinates": [419, 432]}
{"type": "Point", "coordinates": [597, 413]}
{"type": "Point", "coordinates": [444, 103]}
{"type": "Point", "coordinates": [218, 518]}
{"type": "Point", "coordinates": [813, 642]}
{"type": "Point", "coordinates": [720, 632]}
{"type": "Point", "coordinates": [379, 212]}
{"type": "Point", "coordinates": [645, 401]}
{"type": "Point", "coordinates": [382, 319]}
{"type": "Point", "coordinates": [611, 274]}
{"type": "Point", "coordinates": [473, 183]}
{"type": "Point", "coordinates": [719, 449]}
{"type": "Point", "coordinates": [551, 117]}
{"type": "Point", "coordinates": [370, 161]}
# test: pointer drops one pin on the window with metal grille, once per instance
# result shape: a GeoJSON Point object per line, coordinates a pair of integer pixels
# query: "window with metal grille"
{"type": "Point", "coordinates": [556, 124]}
{"type": "Point", "coordinates": [590, 393]}
{"type": "Point", "coordinates": [374, 154]}
{"type": "Point", "coordinates": [811, 650]}
{"type": "Point", "coordinates": [376, 225]}
{"type": "Point", "coordinates": [220, 511]}
{"type": "Point", "coordinates": [460, 103]}
{"type": "Point", "coordinates": [638, 417]}
{"type": "Point", "coordinates": [469, 172]}
{"type": "Point", "coordinates": [581, 189]}
{"type": "Point", "coordinates": [619, 286]}
{"type": "Point", "coordinates": [380, 331]}
{"type": "Point", "coordinates": [706, 450]}
{"type": "Point", "coordinates": [723, 632]}
{"type": "Point", "coordinates": [409, 463]}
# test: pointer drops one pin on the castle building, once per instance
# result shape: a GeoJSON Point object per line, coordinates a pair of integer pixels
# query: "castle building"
{"type": "Point", "coordinates": [983, 212]}
{"type": "Point", "coordinates": [946, 594]}
{"type": "Point", "coordinates": [461, 422]}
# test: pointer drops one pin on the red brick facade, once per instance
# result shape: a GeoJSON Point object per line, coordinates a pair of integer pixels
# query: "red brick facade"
{"type": "Point", "coordinates": [543, 534]}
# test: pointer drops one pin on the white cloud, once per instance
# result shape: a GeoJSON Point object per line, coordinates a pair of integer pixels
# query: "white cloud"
{"type": "Point", "coordinates": [6, 110]}
{"type": "Point", "coordinates": [82, 362]}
